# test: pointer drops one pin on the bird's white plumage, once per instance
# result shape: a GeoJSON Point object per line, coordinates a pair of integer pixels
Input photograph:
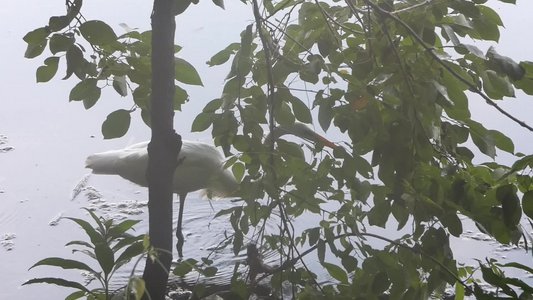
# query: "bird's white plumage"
{"type": "Point", "coordinates": [201, 168]}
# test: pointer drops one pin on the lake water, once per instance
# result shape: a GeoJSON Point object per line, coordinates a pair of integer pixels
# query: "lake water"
{"type": "Point", "coordinates": [44, 139]}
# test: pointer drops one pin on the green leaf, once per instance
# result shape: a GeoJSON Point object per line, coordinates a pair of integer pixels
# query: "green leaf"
{"type": "Point", "coordinates": [184, 267]}
{"type": "Point", "coordinates": [186, 73]}
{"type": "Point", "coordinates": [219, 3]}
{"type": "Point", "coordinates": [505, 65]}
{"type": "Point", "coordinates": [314, 235]}
{"type": "Point", "coordinates": [63, 263]}
{"type": "Point", "coordinates": [210, 271]}
{"type": "Point", "coordinates": [485, 24]}
{"type": "Point", "coordinates": [86, 90]}
{"type": "Point", "coordinates": [75, 62]}
{"type": "Point", "coordinates": [180, 6]}
{"type": "Point", "coordinates": [202, 122]}
{"type": "Point", "coordinates": [180, 97]}
{"type": "Point", "coordinates": [60, 42]}
{"type": "Point", "coordinates": [527, 203]}
{"type": "Point", "coordinates": [301, 111]}
{"type": "Point", "coordinates": [496, 280]}
{"type": "Point", "coordinates": [482, 138]}
{"type": "Point", "coordinates": [105, 257]}
{"type": "Point", "coordinates": [502, 141]}
{"type": "Point", "coordinates": [57, 23]}
{"type": "Point", "coordinates": [116, 124]}
{"type": "Point", "coordinates": [336, 272]}
{"type": "Point", "coordinates": [443, 92]}
{"type": "Point", "coordinates": [496, 86]}
{"type": "Point", "coordinates": [223, 55]}
{"type": "Point", "coordinates": [452, 222]}
{"type": "Point", "coordinates": [98, 33]}
{"type": "Point", "coordinates": [36, 36]}
{"type": "Point", "coordinates": [325, 115]}
{"type": "Point", "coordinates": [76, 295]}
{"type": "Point", "coordinates": [459, 291]}
{"type": "Point", "coordinates": [119, 229]}
{"type": "Point", "coordinates": [91, 232]}
{"type": "Point", "coordinates": [132, 251]}
{"type": "Point", "coordinates": [519, 266]}
{"type": "Point", "coordinates": [47, 72]}
{"type": "Point", "coordinates": [34, 50]}
{"type": "Point", "coordinates": [212, 106]}
{"type": "Point", "coordinates": [138, 286]}
{"type": "Point", "coordinates": [58, 281]}
{"type": "Point", "coordinates": [120, 85]}
{"type": "Point", "coordinates": [512, 211]}
{"type": "Point", "coordinates": [238, 171]}
{"type": "Point", "coordinates": [283, 114]}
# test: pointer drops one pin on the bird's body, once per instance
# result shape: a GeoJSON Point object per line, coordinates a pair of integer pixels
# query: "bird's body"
{"type": "Point", "coordinates": [201, 167]}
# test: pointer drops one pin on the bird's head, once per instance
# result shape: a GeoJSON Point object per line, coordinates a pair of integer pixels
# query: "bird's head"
{"type": "Point", "coordinates": [302, 131]}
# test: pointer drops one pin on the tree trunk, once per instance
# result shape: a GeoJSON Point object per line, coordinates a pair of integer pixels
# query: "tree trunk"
{"type": "Point", "coordinates": [163, 149]}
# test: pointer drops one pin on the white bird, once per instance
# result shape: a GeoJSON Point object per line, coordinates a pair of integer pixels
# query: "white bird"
{"type": "Point", "coordinates": [201, 167]}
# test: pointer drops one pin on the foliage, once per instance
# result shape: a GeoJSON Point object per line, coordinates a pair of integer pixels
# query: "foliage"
{"type": "Point", "coordinates": [100, 58]}
{"type": "Point", "coordinates": [111, 246]}
{"type": "Point", "coordinates": [396, 79]}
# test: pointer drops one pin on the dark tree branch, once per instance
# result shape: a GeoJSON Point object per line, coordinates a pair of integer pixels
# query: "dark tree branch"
{"type": "Point", "coordinates": [163, 149]}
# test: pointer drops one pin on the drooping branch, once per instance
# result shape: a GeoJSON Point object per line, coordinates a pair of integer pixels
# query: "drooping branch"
{"type": "Point", "coordinates": [430, 51]}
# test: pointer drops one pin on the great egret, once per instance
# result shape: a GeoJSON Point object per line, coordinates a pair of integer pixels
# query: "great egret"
{"type": "Point", "coordinates": [201, 167]}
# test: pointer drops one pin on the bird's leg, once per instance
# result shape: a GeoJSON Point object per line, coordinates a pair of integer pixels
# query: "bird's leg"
{"type": "Point", "coordinates": [179, 234]}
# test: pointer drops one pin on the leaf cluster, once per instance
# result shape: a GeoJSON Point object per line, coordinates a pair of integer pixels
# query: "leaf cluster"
{"type": "Point", "coordinates": [395, 78]}
{"type": "Point", "coordinates": [99, 57]}
{"type": "Point", "coordinates": [110, 246]}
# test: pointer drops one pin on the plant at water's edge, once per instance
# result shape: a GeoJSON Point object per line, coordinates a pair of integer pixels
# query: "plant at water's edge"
{"type": "Point", "coordinates": [107, 239]}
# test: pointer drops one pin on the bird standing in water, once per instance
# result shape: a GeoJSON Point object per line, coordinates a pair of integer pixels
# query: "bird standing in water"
{"type": "Point", "coordinates": [201, 167]}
